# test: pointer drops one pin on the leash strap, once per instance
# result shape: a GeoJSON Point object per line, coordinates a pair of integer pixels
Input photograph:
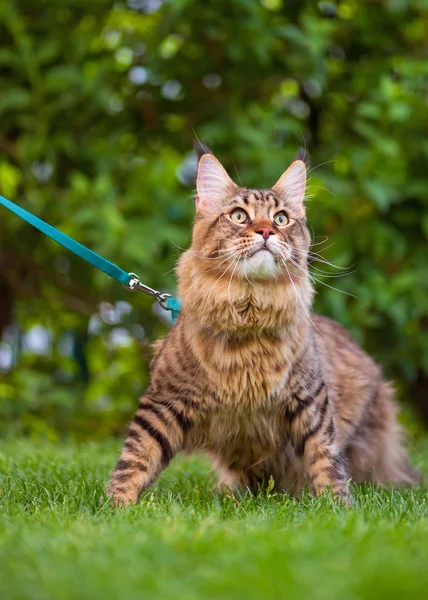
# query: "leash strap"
{"type": "Point", "coordinates": [129, 280]}
{"type": "Point", "coordinates": [174, 305]}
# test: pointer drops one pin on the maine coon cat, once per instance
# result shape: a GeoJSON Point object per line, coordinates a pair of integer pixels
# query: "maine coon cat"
{"type": "Point", "coordinates": [248, 375]}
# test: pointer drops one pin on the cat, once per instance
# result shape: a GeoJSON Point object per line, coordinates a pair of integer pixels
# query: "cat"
{"type": "Point", "coordinates": [248, 374]}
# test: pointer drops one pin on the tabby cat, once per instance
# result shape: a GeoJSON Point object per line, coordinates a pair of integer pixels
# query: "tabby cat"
{"type": "Point", "coordinates": [248, 375]}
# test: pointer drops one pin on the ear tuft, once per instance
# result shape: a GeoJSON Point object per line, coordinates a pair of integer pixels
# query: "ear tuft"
{"type": "Point", "coordinates": [201, 149]}
{"type": "Point", "coordinates": [292, 184]}
{"type": "Point", "coordinates": [212, 184]}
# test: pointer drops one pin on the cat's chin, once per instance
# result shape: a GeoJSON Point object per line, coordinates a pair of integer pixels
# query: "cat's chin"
{"type": "Point", "coordinates": [261, 265]}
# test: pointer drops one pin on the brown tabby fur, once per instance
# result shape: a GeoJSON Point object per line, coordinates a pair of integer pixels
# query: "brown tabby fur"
{"type": "Point", "coordinates": [249, 376]}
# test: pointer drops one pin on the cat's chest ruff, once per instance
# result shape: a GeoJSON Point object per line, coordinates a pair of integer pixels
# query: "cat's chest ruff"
{"type": "Point", "coordinates": [243, 433]}
{"type": "Point", "coordinates": [251, 373]}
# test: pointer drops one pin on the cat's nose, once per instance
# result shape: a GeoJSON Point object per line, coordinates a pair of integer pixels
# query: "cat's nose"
{"type": "Point", "coordinates": [265, 232]}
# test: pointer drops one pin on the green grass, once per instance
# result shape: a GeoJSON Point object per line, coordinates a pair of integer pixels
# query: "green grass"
{"type": "Point", "coordinates": [183, 541]}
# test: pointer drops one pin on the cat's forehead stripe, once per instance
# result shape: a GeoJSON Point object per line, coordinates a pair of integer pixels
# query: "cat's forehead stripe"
{"type": "Point", "coordinates": [257, 197]}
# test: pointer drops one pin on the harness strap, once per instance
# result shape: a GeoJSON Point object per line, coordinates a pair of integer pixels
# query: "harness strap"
{"type": "Point", "coordinates": [129, 280]}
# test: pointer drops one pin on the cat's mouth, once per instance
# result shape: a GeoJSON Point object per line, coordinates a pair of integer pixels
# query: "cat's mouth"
{"type": "Point", "coordinates": [263, 248]}
{"type": "Point", "coordinates": [262, 264]}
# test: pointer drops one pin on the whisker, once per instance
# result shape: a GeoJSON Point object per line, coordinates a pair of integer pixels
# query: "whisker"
{"type": "Point", "coordinates": [320, 165]}
{"type": "Point", "coordinates": [176, 245]}
{"type": "Point", "coordinates": [322, 273]}
{"type": "Point", "coordinates": [305, 309]}
{"type": "Point", "coordinates": [245, 271]}
{"type": "Point", "coordinates": [230, 283]}
{"type": "Point", "coordinates": [326, 238]}
{"type": "Point", "coordinates": [322, 249]}
{"type": "Point", "coordinates": [321, 259]}
{"type": "Point", "coordinates": [217, 280]}
{"type": "Point", "coordinates": [237, 174]}
{"type": "Point", "coordinates": [320, 187]}
{"type": "Point", "coordinates": [305, 271]}
{"type": "Point", "coordinates": [322, 282]}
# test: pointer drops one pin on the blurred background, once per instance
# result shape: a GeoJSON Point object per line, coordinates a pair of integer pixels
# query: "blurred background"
{"type": "Point", "coordinates": [100, 107]}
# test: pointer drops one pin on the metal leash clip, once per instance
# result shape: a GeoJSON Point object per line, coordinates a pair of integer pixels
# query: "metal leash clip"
{"type": "Point", "coordinates": [135, 285]}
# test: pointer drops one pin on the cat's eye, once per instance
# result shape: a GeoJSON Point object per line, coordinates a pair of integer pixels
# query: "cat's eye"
{"type": "Point", "coordinates": [239, 216]}
{"type": "Point", "coordinates": [280, 219]}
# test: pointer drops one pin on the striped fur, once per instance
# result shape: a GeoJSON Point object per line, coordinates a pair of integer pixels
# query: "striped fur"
{"type": "Point", "coordinates": [249, 376]}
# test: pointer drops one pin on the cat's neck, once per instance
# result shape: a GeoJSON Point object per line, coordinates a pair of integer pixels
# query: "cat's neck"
{"type": "Point", "coordinates": [237, 309]}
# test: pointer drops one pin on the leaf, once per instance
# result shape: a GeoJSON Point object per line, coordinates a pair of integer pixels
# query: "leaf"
{"type": "Point", "coordinates": [10, 178]}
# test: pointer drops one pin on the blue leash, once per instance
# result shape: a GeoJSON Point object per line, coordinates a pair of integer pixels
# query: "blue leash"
{"type": "Point", "coordinates": [129, 280]}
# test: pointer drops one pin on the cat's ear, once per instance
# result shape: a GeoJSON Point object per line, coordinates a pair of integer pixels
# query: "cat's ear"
{"type": "Point", "coordinates": [292, 185]}
{"type": "Point", "coordinates": [213, 184]}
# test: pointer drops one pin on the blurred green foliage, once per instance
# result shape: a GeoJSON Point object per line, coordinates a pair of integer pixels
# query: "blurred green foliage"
{"type": "Point", "coordinates": [100, 104]}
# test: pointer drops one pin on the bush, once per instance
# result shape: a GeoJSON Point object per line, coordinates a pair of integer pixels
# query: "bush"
{"type": "Point", "coordinates": [100, 108]}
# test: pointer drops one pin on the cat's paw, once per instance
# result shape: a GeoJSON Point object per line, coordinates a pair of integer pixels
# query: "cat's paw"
{"type": "Point", "coordinates": [344, 498]}
{"type": "Point", "coordinates": [231, 483]}
{"type": "Point", "coordinates": [120, 499]}
{"type": "Point", "coordinates": [228, 488]}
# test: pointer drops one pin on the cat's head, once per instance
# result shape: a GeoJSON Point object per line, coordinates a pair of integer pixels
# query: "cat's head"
{"type": "Point", "coordinates": [247, 243]}
{"type": "Point", "coordinates": [260, 232]}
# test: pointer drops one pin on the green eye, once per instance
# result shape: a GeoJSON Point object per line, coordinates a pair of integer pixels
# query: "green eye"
{"type": "Point", "coordinates": [239, 216]}
{"type": "Point", "coordinates": [280, 219]}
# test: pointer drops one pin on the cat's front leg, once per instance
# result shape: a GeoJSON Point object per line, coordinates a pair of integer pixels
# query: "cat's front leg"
{"type": "Point", "coordinates": [313, 438]}
{"type": "Point", "coordinates": [155, 435]}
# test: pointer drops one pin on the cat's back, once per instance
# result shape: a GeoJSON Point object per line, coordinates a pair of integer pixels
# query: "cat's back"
{"type": "Point", "coordinates": [340, 350]}
{"type": "Point", "coordinates": [353, 378]}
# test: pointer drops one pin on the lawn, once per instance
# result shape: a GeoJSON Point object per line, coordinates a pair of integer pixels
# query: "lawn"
{"type": "Point", "coordinates": [58, 540]}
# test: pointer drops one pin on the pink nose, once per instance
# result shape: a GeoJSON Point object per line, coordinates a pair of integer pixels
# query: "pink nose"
{"type": "Point", "coordinates": [265, 232]}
